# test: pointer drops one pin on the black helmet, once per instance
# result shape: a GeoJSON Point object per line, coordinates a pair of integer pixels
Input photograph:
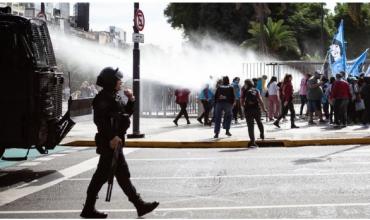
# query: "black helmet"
{"type": "Point", "coordinates": [108, 77]}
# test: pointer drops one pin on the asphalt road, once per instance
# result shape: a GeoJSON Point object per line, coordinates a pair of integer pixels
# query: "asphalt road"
{"type": "Point", "coordinates": [305, 182]}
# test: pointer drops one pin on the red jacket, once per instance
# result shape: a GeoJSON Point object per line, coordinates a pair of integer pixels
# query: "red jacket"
{"type": "Point", "coordinates": [182, 95]}
{"type": "Point", "coordinates": [287, 91]}
{"type": "Point", "coordinates": [340, 90]}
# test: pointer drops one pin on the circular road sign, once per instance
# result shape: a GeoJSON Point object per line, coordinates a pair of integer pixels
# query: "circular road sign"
{"type": "Point", "coordinates": [139, 20]}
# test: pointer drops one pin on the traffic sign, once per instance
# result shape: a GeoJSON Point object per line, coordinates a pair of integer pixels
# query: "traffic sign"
{"type": "Point", "coordinates": [137, 38]}
{"type": "Point", "coordinates": [139, 20]}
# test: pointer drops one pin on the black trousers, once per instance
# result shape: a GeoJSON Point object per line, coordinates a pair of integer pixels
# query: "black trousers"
{"type": "Point", "coordinates": [340, 111]}
{"type": "Point", "coordinates": [303, 103]}
{"type": "Point", "coordinates": [251, 116]}
{"type": "Point", "coordinates": [182, 111]}
{"type": "Point", "coordinates": [289, 107]}
{"type": "Point", "coordinates": [207, 109]}
{"type": "Point", "coordinates": [237, 109]}
{"type": "Point", "coordinates": [122, 175]}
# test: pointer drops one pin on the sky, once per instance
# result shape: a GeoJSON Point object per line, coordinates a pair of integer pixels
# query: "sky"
{"type": "Point", "coordinates": [156, 31]}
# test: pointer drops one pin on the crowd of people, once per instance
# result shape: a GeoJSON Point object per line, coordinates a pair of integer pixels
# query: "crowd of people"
{"type": "Point", "coordinates": [337, 101]}
{"type": "Point", "coordinates": [86, 90]}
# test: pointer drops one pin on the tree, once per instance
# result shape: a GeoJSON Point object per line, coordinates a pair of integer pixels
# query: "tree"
{"type": "Point", "coordinates": [227, 20]}
{"type": "Point", "coordinates": [231, 20]}
{"type": "Point", "coordinates": [279, 39]}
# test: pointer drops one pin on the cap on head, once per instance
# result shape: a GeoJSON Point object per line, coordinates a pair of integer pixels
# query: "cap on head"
{"type": "Point", "coordinates": [108, 78]}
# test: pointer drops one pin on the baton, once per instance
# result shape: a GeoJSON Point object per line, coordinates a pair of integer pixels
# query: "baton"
{"type": "Point", "coordinates": [113, 171]}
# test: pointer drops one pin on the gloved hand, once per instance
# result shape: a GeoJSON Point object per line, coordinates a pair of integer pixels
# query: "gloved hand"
{"type": "Point", "coordinates": [129, 94]}
{"type": "Point", "coordinates": [115, 142]}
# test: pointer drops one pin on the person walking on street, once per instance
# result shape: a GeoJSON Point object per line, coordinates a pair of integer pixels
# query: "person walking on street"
{"type": "Point", "coordinates": [287, 92]}
{"type": "Point", "coordinates": [111, 116]}
{"type": "Point", "coordinates": [252, 101]}
{"type": "Point", "coordinates": [303, 93]}
{"type": "Point", "coordinates": [341, 94]}
{"type": "Point", "coordinates": [182, 99]}
{"type": "Point", "coordinates": [206, 97]}
{"type": "Point", "coordinates": [314, 96]}
{"type": "Point", "coordinates": [224, 99]}
{"type": "Point", "coordinates": [237, 108]}
{"type": "Point", "coordinates": [273, 97]}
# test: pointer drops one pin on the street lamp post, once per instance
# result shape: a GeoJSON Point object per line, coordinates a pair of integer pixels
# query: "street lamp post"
{"type": "Point", "coordinates": [136, 83]}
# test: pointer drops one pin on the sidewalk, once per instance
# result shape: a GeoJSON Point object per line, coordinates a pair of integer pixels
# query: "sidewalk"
{"type": "Point", "coordinates": [161, 132]}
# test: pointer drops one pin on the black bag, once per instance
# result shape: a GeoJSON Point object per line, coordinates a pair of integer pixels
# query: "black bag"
{"type": "Point", "coordinates": [250, 97]}
{"type": "Point", "coordinates": [267, 94]}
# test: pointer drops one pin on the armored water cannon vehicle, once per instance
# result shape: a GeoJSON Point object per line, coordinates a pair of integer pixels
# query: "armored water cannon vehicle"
{"type": "Point", "coordinates": [30, 87]}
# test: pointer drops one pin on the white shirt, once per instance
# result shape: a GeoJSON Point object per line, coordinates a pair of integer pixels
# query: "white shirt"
{"type": "Point", "coordinates": [273, 89]}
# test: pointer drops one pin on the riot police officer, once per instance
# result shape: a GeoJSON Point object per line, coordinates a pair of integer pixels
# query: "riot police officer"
{"type": "Point", "coordinates": [111, 117]}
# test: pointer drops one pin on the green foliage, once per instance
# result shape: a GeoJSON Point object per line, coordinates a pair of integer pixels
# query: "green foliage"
{"type": "Point", "coordinates": [236, 22]}
{"type": "Point", "coordinates": [277, 36]}
{"type": "Point", "coordinates": [228, 20]}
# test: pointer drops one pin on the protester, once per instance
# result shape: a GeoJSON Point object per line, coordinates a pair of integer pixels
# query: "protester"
{"type": "Point", "coordinates": [365, 94]}
{"type": "Point", "coordinates": [224, 100]}
{"type": "Point", "coordinates": [206, 97]}
{"type": "Point", "coordinates": [353, 88]}
{"type": "Point", "coordinates": [325, 98]}
{"type": "Point", "coordinates": [303, 93]}
{"type": "Point", "coordinates": [314, 96]}
{"type": "Point", "coordinates": [330, 100]}
{"type": "Point", "coordinates": [252, 101]}
{"type": "Point", "coordinates": [182, 99]}
{"type": "Point", "coordinates": [340, 94]}
{"type": "Point", "coordinates": [287, 93]}
{"type": "Point", "coordinates": [273, 98]}
{"type": "Point", "coordinates": [237, 107]}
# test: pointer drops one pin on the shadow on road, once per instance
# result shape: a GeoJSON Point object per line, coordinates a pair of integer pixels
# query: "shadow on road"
{"type": "Point", "coordinates": [323, 158]}
{"type": "Point", "coordinates": [235, 150]}
{"type": "Point", "coordinates": [12, 177]}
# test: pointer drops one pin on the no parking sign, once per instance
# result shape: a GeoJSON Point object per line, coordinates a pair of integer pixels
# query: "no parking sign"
{"type": "Point", "coordinates": [139, 20]}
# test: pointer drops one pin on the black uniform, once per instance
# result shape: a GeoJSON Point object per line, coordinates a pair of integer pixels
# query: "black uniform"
{"type": "Point", "coordinates": [111, 117]}
{"type": "Point", "coordinates": [252, 112]}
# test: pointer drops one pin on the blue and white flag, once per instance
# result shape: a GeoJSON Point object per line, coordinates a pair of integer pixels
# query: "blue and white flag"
{"type": "Point", "coordinates": [338, 52]}
{"type": "Point", "coordinates": [354, 67]}
{"type": "Point", "coordinates": [368, 71]}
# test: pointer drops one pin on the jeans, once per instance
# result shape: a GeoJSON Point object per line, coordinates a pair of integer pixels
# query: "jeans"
{"type": "Point", "coordinates": [227, 109]}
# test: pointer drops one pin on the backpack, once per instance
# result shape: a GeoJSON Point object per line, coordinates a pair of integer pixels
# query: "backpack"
{"type": "Point", "coordinates": [250, 97]}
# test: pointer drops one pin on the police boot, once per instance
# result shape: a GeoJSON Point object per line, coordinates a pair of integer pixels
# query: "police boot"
{"type": "Point", "coordinates": [143, 208]}
{"type": "Point", "coordinates": [89, 210]}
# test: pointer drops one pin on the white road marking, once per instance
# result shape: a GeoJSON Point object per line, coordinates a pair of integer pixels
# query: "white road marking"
{"type": "Point", "coordinates": [195, 208]}
{"type": "Point", "coordinates": [28, 164]}
{"type": "Point", "coordinates": [44, 158]}
{"type": "Point", "coordinates": [57, 155]}
{"type": "Point", "coordinates": [69, 151]}
{"type": "Point", "coordinates": [82, 148]}
{"type": "Point", "coordinates": [13, 194]}
{"type": "Point", "coordinates": [297, 157]}
{"type": "Point", "coordinates": [238, 176]}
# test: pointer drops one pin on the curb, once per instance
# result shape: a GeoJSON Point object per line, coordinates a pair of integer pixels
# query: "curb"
{"type": "Point", "coordinates": [228, 144]}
